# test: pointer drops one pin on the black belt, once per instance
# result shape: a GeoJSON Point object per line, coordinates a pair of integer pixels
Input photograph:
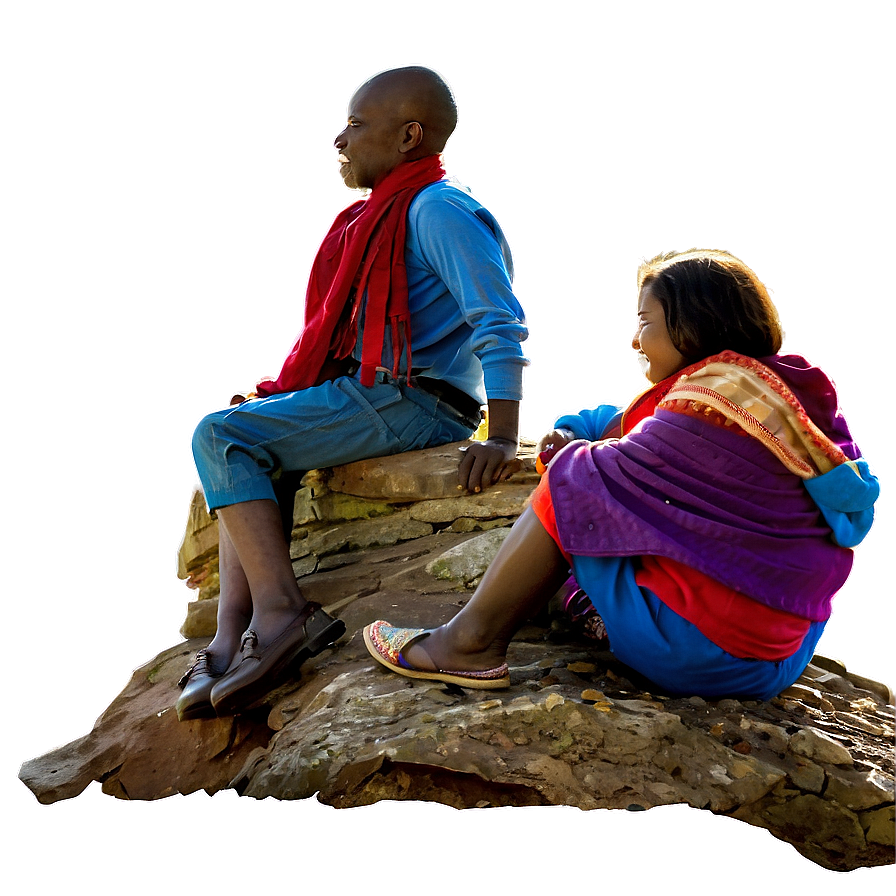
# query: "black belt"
{"type": "Point", "coordinates": [464, 404]}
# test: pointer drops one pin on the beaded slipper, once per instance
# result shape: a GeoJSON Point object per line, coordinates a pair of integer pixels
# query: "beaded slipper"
{"type": "Point", "coordinates": [386, 642]}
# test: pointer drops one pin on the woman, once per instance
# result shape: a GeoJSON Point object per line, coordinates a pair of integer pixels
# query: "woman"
{"type": "Point", "coordinates": [710, 524]}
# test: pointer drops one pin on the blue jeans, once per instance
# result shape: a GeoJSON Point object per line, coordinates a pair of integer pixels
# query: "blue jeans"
{"type": "Point", "coordinates": [237, 450]}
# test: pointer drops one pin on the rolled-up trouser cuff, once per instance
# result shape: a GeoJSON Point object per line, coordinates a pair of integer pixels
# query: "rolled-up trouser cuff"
{"type": "Point", "coordinates": [238, 450]}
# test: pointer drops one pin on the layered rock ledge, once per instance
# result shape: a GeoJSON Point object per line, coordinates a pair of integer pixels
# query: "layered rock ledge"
{"type": "Point", "coordinates": [393, 538]}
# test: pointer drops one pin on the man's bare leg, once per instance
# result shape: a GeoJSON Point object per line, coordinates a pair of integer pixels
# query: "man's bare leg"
{"type": "Point", "coordinates": [255, 531]}
{"type": "Point", "coordinates": [527, 571]}
{"type": "Point", "coordinates": [234, 605]}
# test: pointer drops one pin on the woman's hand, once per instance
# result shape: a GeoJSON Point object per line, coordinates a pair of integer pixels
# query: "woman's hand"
{"type": "Point", "coordinates": [552, 442]}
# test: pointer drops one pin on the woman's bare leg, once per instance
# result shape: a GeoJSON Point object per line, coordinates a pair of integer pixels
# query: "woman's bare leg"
{"type": "Point", "coordinates": [527, 571]}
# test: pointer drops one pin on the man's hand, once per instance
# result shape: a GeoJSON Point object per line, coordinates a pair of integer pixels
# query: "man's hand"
{"type": "Point", "coordinates": [486, 463]}
{"type": "Point", "coordinates": [240, 397]}
{"type": "Point", "coordinates": [493, 460]}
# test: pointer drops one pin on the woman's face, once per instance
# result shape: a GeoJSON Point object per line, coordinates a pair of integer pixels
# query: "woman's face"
{"type": "Point", "coordinates": [659, 357]}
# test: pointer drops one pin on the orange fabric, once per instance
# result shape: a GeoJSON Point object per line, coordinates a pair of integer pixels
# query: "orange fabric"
{"type": "Point", "coordinates": [543, 507]}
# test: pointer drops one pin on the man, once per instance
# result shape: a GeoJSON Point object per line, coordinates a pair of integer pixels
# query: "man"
{"type": "Point", "coordinates": [410, 323]}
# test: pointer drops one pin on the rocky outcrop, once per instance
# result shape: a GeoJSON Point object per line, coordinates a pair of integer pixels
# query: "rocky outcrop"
{"type": "Point", "coordinates": [815, 766]}
{"type": "Point", "coordinates": [372, 503]}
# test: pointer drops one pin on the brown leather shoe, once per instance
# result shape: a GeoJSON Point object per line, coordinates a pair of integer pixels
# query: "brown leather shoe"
{"type": "Point", "coordinates": [197, 683]}
{"type": "Point", "coordinates": [260, 671]}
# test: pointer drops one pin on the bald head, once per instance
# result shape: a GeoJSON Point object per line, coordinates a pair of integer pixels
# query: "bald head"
{"type": "Point", "coordinates": [417, 94]}
{"type": "Point", "coordinates": [396, 117]}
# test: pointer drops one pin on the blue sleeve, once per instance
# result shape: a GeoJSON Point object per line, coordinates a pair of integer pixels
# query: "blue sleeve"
{"type": "Point", "coordinates": [463, 244]}
{"type": "Point", "coordinates": [590, 424]}
{"type": "Point", "coordinates": [845, 496]}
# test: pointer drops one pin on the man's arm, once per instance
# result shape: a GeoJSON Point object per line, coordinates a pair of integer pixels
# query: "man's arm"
{"type": "Point", "coordinates": [487, 462]}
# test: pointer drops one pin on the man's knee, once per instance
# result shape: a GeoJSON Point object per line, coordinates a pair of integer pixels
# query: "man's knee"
{"type": "Point", "coordinates": [205, 434]}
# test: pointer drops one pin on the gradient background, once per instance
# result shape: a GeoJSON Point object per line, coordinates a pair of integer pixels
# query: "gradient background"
{"type": "Point", "coordinates": [167, 175]}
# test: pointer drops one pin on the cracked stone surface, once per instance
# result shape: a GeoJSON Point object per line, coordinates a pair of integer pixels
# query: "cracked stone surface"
{"type": "Point", "coordinates": [815, 766]}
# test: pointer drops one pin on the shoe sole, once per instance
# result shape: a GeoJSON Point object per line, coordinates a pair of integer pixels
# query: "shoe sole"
{"type": "Point", "coordinates": [197, 711]}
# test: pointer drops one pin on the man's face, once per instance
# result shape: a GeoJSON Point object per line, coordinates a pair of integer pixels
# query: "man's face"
{"type": "Point", "coordinates": [368, 145]}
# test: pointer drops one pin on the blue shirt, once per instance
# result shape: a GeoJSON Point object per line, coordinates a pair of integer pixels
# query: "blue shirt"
{"type": "Point", "coordinates": [467, 327]}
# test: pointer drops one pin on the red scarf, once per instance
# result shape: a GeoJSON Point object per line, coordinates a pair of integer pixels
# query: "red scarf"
{"type": "Point", "coordinates": [364, 251]}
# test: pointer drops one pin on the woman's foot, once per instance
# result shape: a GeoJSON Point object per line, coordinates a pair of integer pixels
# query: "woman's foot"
{"type": "Point", "coordinates": [442, 649]}
{"type": "Point", "coordinates": [392, 645]}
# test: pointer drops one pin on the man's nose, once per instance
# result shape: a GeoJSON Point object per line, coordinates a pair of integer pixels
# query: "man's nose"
{"type": "Point", "coordinates": [636, 343]}
{"type": "Point", "coordinates": [339, 142]}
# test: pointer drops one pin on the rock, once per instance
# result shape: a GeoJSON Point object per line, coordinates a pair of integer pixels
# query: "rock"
{"type": "Point", "coordinates": [815, 766]}
{"type": "Point", "coordinates": [416, 475]}
{"type": "Point", "coordinates": [139, 750]}
{"type": "Point", "coordinates": [879, 826]}
{"type": "Point", "coordinates": [503, 500]}
{"type": "Point", "coordinates": [823, 664]}
{"type": "Point", "coordinates": [858, 789]}
{"type": "Point", "coordinates": [413, 476]}
{"type": "Point", "coordinates": [808, 777]}
{"type": "Point", "coordinates": [354, 734]}
{"type": "Point", "coordinates": [808, 695]}
{"type": "Point", "coordinates": [468, 561]}
{"type": "Point", "coordinates": [465, 524]}
{"type": "Point", "coordinates": [553, 700]}
{"type": "Point", "coordinates": [398, 526]}
{"type": "Point", "coordinates": [200, 541]}
{"type": "Point", "coordinates": [819, 746]}
{"type": "Point", "coordinates": [821, 827]}
{"type": "Point", "coordinates": [875, 685]}
{"type": "Point", "coordinates": [331, 507]}
{"type": "Point", "coordinates": [774, 735]}
{"type": "Point", "coordinates": [202, 619]}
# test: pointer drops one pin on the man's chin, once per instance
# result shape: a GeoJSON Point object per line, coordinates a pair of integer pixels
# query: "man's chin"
{"type": "Point", "coordinates": [352, 184]}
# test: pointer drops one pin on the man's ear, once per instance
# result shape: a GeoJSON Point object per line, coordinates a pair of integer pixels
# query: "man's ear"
{"type": "Point", "coordinates": [412, 136]}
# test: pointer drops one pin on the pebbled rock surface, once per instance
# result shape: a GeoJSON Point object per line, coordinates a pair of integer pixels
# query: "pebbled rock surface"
{"type": "Point", "coordinates": [815, 766]}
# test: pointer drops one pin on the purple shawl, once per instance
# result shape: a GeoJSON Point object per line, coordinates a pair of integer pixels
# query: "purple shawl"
{"type": "Point", "coordinates": [710, 498]}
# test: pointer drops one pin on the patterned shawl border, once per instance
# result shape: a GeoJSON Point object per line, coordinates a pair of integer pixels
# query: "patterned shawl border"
{"type": "Point", "coordinates": [805, 450]}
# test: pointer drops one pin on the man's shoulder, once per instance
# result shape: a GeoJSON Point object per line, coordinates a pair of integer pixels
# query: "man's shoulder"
{"type": "Point", "coordinates": [449, 205]}
{"type": "Point", "coordinates": [444, 195]}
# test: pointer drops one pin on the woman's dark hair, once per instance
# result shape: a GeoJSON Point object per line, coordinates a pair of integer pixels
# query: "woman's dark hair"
{"type": "Point", "coordinates": [712, 301]}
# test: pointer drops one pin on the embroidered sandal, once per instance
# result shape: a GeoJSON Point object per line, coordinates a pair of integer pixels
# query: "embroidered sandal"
{"type": "Point", "coordinates": [386, 642]}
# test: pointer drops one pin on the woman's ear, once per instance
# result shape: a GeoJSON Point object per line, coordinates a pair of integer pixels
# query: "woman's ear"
{"type": "Point", "coordinates": [412, 136]}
